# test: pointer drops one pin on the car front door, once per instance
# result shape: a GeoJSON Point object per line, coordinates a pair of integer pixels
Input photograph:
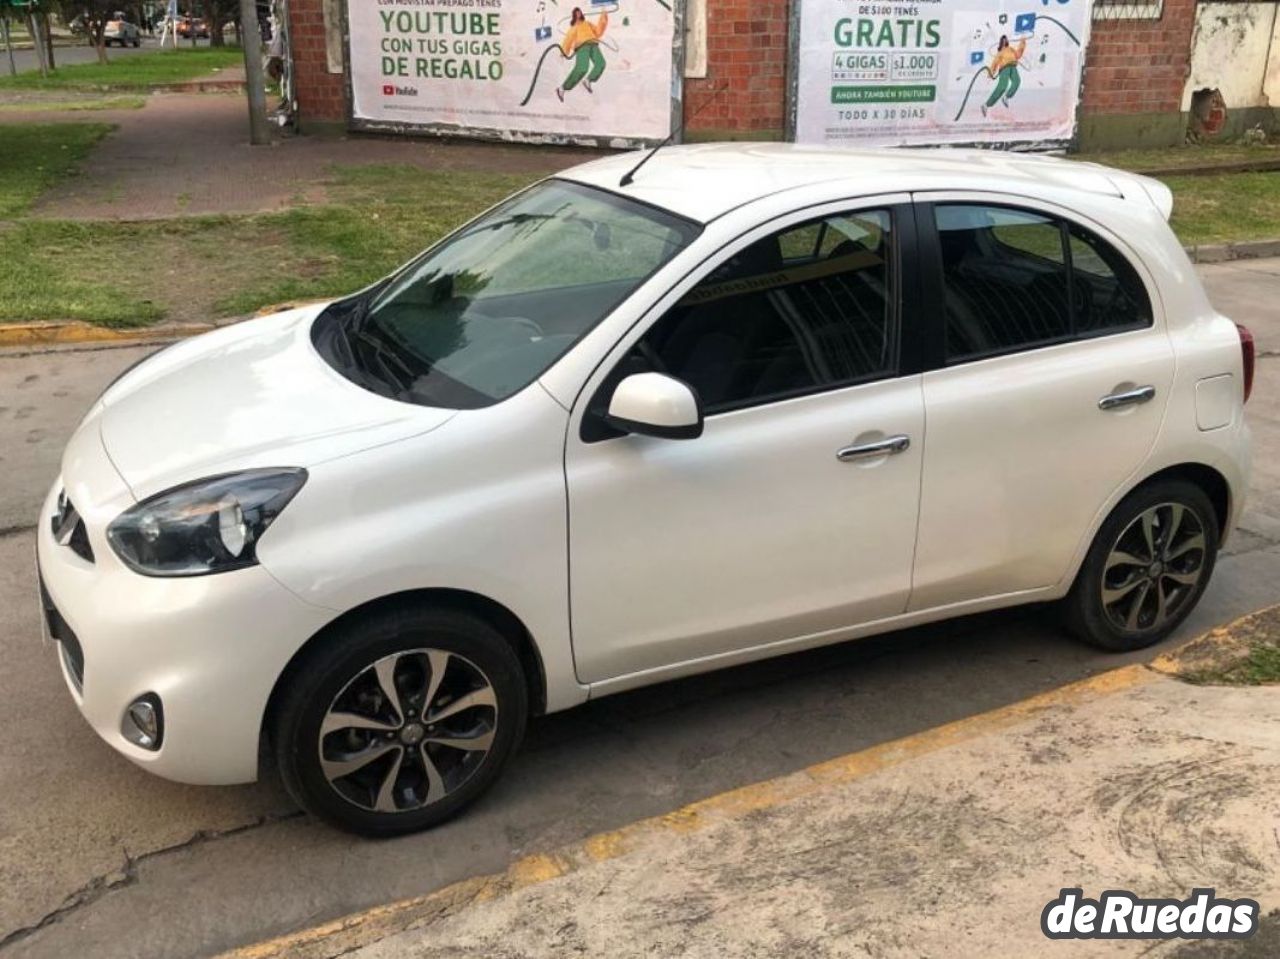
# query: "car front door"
{"type": "Point", "coordinates": [793, 515]}
{"type": "Point", "coordinates": [1049, 372]}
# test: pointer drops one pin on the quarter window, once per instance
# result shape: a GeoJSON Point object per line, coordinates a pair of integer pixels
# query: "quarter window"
{"type": "Point", "coordinates": [1014, 280]}
{"type": "Point", "coordinates": [805, 309]}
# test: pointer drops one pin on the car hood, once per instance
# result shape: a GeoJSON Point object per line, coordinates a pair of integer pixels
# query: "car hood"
{"type": "Point", "coordinates": [251, 395]}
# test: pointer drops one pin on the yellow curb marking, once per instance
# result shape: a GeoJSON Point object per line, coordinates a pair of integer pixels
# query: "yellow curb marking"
{"type": "Point", "coordinates": [544, 867]}
{"type": "Point", "coordinates": [42, 334]}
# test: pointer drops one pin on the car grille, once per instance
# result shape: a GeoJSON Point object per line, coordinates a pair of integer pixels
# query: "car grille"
{"type": "Point", "coordinates": [68, 642]}
{"type": "Point", "coordinates": [68, 528]}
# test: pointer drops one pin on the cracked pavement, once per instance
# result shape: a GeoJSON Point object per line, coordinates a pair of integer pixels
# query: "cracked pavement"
{"type": "Point", "coordinates": [98, 857]}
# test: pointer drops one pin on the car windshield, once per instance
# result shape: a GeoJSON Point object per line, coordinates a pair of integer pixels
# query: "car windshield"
{"type": "Point", "coordinates": [483, 314]}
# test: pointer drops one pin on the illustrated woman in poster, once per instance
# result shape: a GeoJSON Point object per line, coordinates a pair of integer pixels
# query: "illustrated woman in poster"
{"type": "Point", "coordinates": [1004, 70]}
{"type": "Point", "coordinates": [582, 43]}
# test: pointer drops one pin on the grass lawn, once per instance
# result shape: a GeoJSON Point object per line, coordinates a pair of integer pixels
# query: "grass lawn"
{"type": "Point", "coordinates": [35, 156]}
{"type": "Point", "coordinates": [1225, 207]}
{"type": "Point", "coordinates": [131, 72]}
{"type": "Point", "coordinates": [196, 267]}
{"type": "Point", "coordinates": [80, 104]}
{"type": "Point", "coordinates": [1174, 158]}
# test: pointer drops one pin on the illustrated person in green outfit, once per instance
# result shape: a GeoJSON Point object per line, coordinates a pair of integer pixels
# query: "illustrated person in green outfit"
{"type": "Point", "coordinates": [582, 42]}
{"type": "Point", "coordinates": [1004, 70]}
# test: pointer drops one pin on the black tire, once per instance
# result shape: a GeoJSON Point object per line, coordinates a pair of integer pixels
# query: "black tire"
{"type": "Point", "coordinates": [336, 667]}
{"type": "Point", "coordinates": [1167, 598]}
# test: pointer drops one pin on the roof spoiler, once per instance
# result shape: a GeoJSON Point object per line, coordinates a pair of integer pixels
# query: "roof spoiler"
{"type": "Point", "coordinates": [1145, 189]}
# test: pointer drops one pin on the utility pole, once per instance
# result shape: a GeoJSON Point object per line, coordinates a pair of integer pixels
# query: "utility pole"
{"type": "Point", "coordinates": [259, 129]}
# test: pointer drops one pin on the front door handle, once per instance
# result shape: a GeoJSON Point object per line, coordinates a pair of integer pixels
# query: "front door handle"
{"type": "Point", "coordinates": [1141, 394]}
{"type": "Point", "coordinates": [865, 451]}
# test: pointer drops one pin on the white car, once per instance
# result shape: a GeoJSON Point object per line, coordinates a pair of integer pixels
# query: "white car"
{"type": "Point", "coordinates": [631, 425]}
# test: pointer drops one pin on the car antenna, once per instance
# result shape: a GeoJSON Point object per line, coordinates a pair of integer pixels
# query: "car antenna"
{"type": "Point", "coordinates": [630, 175]}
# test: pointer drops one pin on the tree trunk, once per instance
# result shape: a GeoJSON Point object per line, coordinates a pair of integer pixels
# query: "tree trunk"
{"type": "Point", "coordinates": [259, 129]}
{"type": "Point", "coordinates": [8, 41]}
{"type": "Point", "coordinates": [213, 17]}
{"type": "Point", "coordinates": [37, 43]}
{"type": "Point", "coordinates": [96, 33]}
{"type": "Point", "coordinates": [48, 39]}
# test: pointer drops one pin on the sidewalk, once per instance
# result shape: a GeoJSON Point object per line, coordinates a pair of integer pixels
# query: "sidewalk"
{"type": "Point", "coordinates": [188, 154]}
{"type": "Point", "coordinates": [948, 843]}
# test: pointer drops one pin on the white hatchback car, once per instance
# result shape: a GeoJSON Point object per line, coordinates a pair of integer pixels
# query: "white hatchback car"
{"type": "Point", "coordinates": [628, 426]}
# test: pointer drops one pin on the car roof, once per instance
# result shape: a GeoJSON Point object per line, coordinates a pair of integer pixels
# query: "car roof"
{"type": "Point", "coordinates": [706, 180]}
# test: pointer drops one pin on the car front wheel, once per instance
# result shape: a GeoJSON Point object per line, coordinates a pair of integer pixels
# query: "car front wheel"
{"type": "Point", "coordinates": [398, 722]}
{"type": "Point", "coordinates": [1147, 567]}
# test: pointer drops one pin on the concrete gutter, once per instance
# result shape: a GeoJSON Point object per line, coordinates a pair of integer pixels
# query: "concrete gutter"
{"type": "Point", "coordinates": [1222, 252]}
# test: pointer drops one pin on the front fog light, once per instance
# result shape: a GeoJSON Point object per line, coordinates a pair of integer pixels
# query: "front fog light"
{"type": "Point", "coordinates": [143, 723]}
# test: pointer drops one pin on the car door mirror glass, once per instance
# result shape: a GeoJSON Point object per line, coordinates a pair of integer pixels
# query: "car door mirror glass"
{"type": "Point", "coordinates": [654, 404]}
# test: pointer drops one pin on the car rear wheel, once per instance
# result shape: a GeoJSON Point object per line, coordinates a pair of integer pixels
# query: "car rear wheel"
{"type": "Point", "coordinates": [1147, 567]}
{"type": "Point", "coordinates": [398, 722]}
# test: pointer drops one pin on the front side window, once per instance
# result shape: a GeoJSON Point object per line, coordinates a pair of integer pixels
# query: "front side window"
{"type": "Point", "coordinates": [486, 312]}
{"type": "Point", "coordinates": [808, 308]}
{"type": "Point", "coordinates": [1015, 280]}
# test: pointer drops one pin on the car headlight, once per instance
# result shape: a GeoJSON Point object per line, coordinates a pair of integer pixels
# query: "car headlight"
{"type": "Point", "coordinates": [209, 526]}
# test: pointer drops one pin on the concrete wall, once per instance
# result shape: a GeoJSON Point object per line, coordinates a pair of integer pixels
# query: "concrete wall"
{"type": "Point", "coordinates": [1229, 52]}
{"type": "Point", "coordinates": [1234, 51]}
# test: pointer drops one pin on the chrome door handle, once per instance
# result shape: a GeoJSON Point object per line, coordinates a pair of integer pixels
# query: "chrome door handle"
{"type": "Point", "coordinates": [865, 451]}
{"type": "Point", "coordinates": [1128, 398]}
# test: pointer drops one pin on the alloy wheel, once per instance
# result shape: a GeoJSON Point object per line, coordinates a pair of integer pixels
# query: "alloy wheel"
{"type": "Point", "coordinates": [408, 730]}
{"type": "Point", "coordinates": [1154, 567]}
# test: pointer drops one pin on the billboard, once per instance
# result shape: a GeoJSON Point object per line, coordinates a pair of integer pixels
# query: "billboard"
{"type": "Point", "coordinates": [937, 71]}
{"type": "Point", "coordinates": [590, 71]}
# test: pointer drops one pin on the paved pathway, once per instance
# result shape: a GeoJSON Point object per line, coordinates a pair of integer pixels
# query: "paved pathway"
{"type": "Point", "coordinates": [188, 154]}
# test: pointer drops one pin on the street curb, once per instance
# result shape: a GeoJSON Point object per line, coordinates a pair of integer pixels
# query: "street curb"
{"type": "Point", "coordinates": [1208, 650]}
{"type": "Point", "coordinates": [78, 333]}
{"type": "Point", "coordinates": [1225, 252]}
{"type": "Point", "coordinates": [363, 928]}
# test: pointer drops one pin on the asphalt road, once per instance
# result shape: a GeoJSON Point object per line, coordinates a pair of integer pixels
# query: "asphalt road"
{"type": "Point", "coordinates": [98, 858]}
{"type": "Point", "coordinates": [81, 53]}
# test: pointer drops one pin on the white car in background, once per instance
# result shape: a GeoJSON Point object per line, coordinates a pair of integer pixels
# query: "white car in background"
{"type": "Point", "coordinates": [120, 30]}
{"type": "Point", "coordinates": [631, 425]}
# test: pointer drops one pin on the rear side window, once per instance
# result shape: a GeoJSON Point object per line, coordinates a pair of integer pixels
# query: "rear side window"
{"type": "Point", "coordinates": [805, 309]}
{"type": "Point", "coordinates": [1015, 280]}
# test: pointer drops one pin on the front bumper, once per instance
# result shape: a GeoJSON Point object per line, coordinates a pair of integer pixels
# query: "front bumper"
{"type": "Point", "coordinates": [210, 647]}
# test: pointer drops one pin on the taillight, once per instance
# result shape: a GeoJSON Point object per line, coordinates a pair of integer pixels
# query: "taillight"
{"type": "Point", "coordinates": [1247, 355]}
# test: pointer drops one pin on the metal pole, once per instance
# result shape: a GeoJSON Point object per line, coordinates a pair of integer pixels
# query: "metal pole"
{"type": "Point", "coordinates": [8, 43]}
{"type": "Point", "coordinates": [259, 129]}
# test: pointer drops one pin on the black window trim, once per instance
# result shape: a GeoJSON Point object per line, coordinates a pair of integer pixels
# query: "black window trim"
{"type": "Point", "coordinates": [907, 353]}
{"type": "Point", "coordinates": [933, 314]}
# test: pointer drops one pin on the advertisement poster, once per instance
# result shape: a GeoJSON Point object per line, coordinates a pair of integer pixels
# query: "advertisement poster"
{"type": "Point", "coordinates": [945, 71]}
{"type": "Point", "coordinates": [517, 69]}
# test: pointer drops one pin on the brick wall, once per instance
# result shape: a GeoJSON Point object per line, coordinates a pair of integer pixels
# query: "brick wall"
{"type": "Point", "coordinates": [1131, 67]}
{"type": "Point", "coordinates": [1139, 66]}
{"type": "Point", "coordinates": [747, 55]}
{"type": "Point", "coordinates": [321, 95]}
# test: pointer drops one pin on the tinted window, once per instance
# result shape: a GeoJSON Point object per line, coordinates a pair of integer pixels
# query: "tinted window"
{"type": "Point", "coordinates": [808, 308]}
{"type": "Point", "coordinates": [1014, 280]}
{"type": "Point", "coordinates": [1109, 293]}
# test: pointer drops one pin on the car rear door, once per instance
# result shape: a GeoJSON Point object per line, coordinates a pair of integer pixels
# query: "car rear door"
{"type": "Point", "coordinates": [793, 515]}
{"type": "Point", "coordinates": [1047, 372]}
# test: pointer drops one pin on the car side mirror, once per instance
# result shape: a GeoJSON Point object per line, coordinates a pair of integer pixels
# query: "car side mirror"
{"type": "Point", "coordinates": [654, 404]}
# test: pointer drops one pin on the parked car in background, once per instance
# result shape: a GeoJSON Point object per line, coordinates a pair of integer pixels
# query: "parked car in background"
{"type": "Point", "coordinates": [196, 27]}
{"type": "Point", "coordinates": [632, 424]}
{"type": "Point", "coordinates": [120, 30]}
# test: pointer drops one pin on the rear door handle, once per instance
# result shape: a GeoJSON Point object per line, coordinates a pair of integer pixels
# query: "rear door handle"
{"type": "Point", "coordinates": [865, 451]}
{"type": "Point", "coordinates": [1141, 394]}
